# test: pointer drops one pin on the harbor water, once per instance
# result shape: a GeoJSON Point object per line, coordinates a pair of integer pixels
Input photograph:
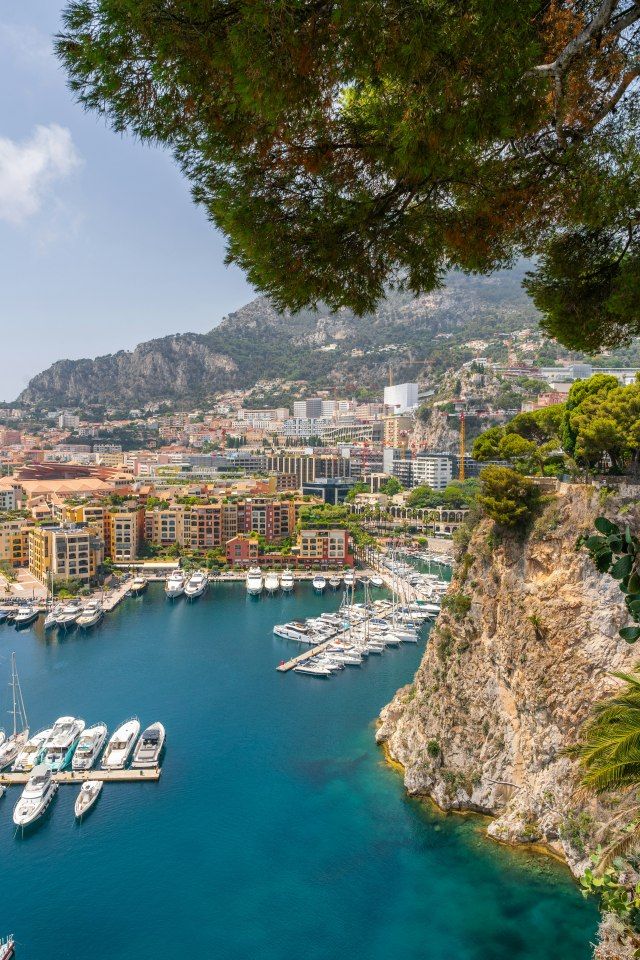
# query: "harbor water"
{"type": "Point", "coordinates": [276, 831]}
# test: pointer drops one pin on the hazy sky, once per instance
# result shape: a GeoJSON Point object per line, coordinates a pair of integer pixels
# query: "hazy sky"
{"type": "Point", "coordinates": [100, 244]}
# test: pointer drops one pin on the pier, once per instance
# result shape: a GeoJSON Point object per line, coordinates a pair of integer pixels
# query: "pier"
{"type": "Point", "coordinates": [79, 776]}
{"type": "Point", "coordinates": [307, 655]}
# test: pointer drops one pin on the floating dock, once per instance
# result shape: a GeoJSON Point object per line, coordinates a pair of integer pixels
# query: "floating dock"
{"type": "Point", "coordinates": [78, 776]}
{"type": "Point", "coordinates": [287, 665]}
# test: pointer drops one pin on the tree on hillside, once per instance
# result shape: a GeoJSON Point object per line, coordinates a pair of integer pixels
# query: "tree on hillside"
{"type": "Point", "coordinates": [344, 147]}
{"type": "Point", "coordinates": [507, 497]}
{"type": "Point", "coordinates": [602, 419]}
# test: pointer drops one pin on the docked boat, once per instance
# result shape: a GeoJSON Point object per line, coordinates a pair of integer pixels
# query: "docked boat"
{"type": "Point", "coordinates": [319, 583]}
{"type": "Point", "coordinates": [89, 793]}
{"type": "Point", "coordinates": [377, 581]}
{"type": "Point", "coordinates": [89, 746]}
{"type": "Point", "coordinates": [40, 790]}
{"type": "Point", "coordinates": [15, 742]}
{"type": "Point", "coordinates": [149, 747]}
{"type": "Point", "coordinates": [254, 581]}
{"type": "Point", "coordinates": [69, 615]}
{"type": "Point", "coordinates": [30, 754]}
{"type": "Point", "coordinates": [26, 614]}
{"type": "Point", "coordinates": [51, 619]}
{"type": "Point", "coordinates": [196, 585]}
{"type": "Point", "coordinates": [138, 585]}
{"type": "Point", "coordinates": [7, 946]}
{"type": "Point", "coordinates": [313, 669]}
{"type": "Point", "coordinates": [271, 582]}
{"type": "Point", "coordinates": [349, 580]}
{"type": "Point", "coordinates": [91, 615]}
{"type": "Point", "coordinates": [3, 615]}
{"type": "Point", "coordinates": [174, 585]}
{"type": "Point", "coordinates": [334, 582]}
{"type": "Point", "coordinates": [58, 750]}
{"type": "Point", "coordinates": [294, 631]}
{"type": "Point", "coordinates": [120, 745]}
{"type": "Point", "coordinates": [287, 581]}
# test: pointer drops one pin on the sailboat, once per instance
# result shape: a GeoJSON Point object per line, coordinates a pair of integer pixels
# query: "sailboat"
{"type": "Point", "coordinates": [14, 743]}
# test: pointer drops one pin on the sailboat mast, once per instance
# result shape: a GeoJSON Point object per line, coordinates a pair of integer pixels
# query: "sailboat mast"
{"type": "Point", "coordinates": [18, 700]}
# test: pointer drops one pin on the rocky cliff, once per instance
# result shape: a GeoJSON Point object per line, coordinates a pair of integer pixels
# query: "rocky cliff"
{"type": "Point", "coordinates": [524, 648]}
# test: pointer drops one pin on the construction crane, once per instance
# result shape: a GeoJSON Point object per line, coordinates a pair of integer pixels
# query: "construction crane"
{"type": "Point", "coordinates": [462, 445]}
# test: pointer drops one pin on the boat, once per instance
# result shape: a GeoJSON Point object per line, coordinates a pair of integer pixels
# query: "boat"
{"type": "Point", "coordinates": [174, 585]}
{"type": "Point", "coordinates": [313, 669]}
{"type": "Point", "coordinates": [58, 750]}
{"type": "Point", "coordinates": [89, 746]}
{"type": "Point", "coordinates": [89, 793]}
{"type": "Point", "coordinates": [254, 581]}
{"type": "Point", "coordinates": [91, 615]}
{"type": "Point", "coordinates": [15, 742]}
{"type": "Point", "coordinates": [377, 581]}
{"type": "Point", "coordinates": [69, 614]}
{"type": "Point", "coordinates": [40, 790]}
{"type": "Point", "coordinates": [319, 583]}
{"type": "Point", "coordinates": [3, 615]}
{"type": "Point", "coordinates": [138, 585]}
{"type": "Point", "coordinates": [26, 614]}
{"type": "Point", "coordinates": [51, 619]}
{"type": "Point", "coordinates": [271, 582]}
{"type": "Point", "coordinates": [7, 946]}
{"type": "Point", "coordinates": [287, 581]}
{"type": "Point", "coordinates": [334, 582]}
{"type": "Point", "coordinates": [120, 745]}
{"type": "Point", "coordinates": [196, 585]}
{"type": "Point", "coordinates": [29, 756]}
{"type": "Point", "coordinates": [149, 747]}
{"type": "Point", "coordinates": [349, 580]}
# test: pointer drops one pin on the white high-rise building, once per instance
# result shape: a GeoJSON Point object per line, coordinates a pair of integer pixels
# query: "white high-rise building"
{"type": "Point", "coordinates": [401, 397]}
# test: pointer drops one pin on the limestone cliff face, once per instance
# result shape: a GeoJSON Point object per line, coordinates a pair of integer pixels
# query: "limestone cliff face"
{"type": "Point", "coordinates": [509, 674]}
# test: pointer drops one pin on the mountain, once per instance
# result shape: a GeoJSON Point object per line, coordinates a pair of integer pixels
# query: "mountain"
{"type": "Point", "coordinates": [414, 336]}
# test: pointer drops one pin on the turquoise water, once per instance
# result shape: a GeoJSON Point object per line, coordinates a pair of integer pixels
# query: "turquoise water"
{"type": "Point", "coordinates": [276, 831]}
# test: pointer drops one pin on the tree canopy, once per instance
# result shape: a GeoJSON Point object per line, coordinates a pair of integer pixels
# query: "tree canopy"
{"type": "Point", "coordinates": [507, 497]}
{"type": "Point", "coordinates": [347, 147]}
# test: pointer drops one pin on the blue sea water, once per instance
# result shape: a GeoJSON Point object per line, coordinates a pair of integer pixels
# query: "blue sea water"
{"type": "Point", "coordinates": [276, 831]}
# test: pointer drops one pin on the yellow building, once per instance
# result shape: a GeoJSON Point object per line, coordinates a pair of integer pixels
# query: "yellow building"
{"type": "Point", "coordinates": [164, 526]}
{"type": "Point", "coordinates": [62, 553]}
{"type": "Point", "coordinates": [14, 542]}
{"type": "Point", "coordinates": [394, 430]}
{"type": "Point", "coordinates": [123, 532]}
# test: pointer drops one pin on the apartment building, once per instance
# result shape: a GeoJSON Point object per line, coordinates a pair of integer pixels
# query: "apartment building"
{"type": "Point", "coordinates": [123, 532]}
{"type": "Point", "coordinates": [14, 542]}
{"type": "Point", "coordinates": [326, 547]}
{"type": "Point", "coordinates": [307, 466]}
{"type": "Point", "coordinates": [62, 553]}
{"type": "Point", "coordinates": [395, 429]}
{"type": "Point", "coordinates": [436, 470]}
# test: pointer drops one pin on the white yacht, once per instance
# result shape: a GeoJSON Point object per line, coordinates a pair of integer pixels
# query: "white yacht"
{"type": "Point", "coordinates": [120, 745]}
{"type": "Point", "coordinates": [51, 618]}
{"type": "Point", "coordinates": [271, 582]}
{"type": "Point", "coordinates": [30, 753]}
{"type": "Point", "coordinates": [89, 793]}
{"type": "Point", "coordinates": [334, 582]}
{"type": "Point", "coordinates": [89, 747]}
{"type": "Point", "coordinates": [294, 631]}
{"type": "Point", "coordinates": [149, 747]}
{"type": "Point", "coordinates": [15, 742]}
{"type": "Point", "coordinates": [26, 614]}
{"type": "Point", "coordinates": [40, 790]}
{"type": "Point", "coordinates": [58, 750]}
{"type": "Point", "coordinates": [313, 669]}
{"type": "Point", "coordinates": [138, 585]}
{"type": "Point", "coordinates": [69, 614]}
{"type": "Point", "coordinates": [7, 947]}
{"type": "Point", "coordinates": [91, 615]}
{"type": "Point", "coordinates": [319, 583]}
{"type": "Point", "coordinates": [195, 585]}
{"type": "Point", "coordinates": [254, 580]}
{"type": "Point", "coordinates": [349, 579]}
{"type": "Point", "coordinates": [287, 581]}
{"type": "Point", "coordinates": [377, 581]}
{"type": "Point", "coordinates": [174, 585]}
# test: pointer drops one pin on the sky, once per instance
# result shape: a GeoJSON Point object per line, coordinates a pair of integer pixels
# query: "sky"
{"type": "Point", "coordinates": [101, 246]}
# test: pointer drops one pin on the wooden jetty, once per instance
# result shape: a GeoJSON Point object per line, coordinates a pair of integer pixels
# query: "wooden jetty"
{"type": "Point", "coordinates": [287, 665]}
{"type": "Point", "coordinates": [8, 778]}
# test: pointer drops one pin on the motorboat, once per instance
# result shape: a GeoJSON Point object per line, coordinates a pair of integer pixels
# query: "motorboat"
{"type": "Point", "coordinates": [51, 619]}
{"type": "Point", "coordinates": [89, 746]}
{"type": "Point", "coordinates": [313, 669]}
{"type": "Point", "coordinates": [69, 614]}
{"type": "Point", "coordinates": [91, 615]}
{"type": "Point", "coordinates": [3, 615]}
{"type": "Point", "coordinates": [120, 745]}
{"type": "Point", "coordinates": [196, 585]}
{"type": "Point", "coordinates": [29, 756]}
{"type": "Point", "coordinates": [287, 581]}
{"type": "Point", "coordinates": [26, 614]}
{"type": "Point", "coordinates": [138, 585]}
{"type": "Point", "coordinates": [376, 581]}
{"type": "Point", "coordinates": [174, 585]}
{"type": "Point", "coordinates": [349, 580]}
{"type": "Point", "coordinates": [271, 582]}
{"type": "Point", "coordinates": [40, 790]}
{"type": "Point", "coordinates": [335, 582]}
{"type": "Point", "coordinates": [319, 583]}
{"type": "Point", "coordinates": [14, 743]}
{"type": "Point", "coordinates": [58, 750]}
{"type": "Point", "coordinates": [294, 631]}
{"type": "Point", "coordinates": [89, 793]}
{"type": "Point", "coordinates": [149, 747]}
{"type": "Point", "coordinates": [254, 581]}
{"type": "Point", "coordinates": [7, 946]}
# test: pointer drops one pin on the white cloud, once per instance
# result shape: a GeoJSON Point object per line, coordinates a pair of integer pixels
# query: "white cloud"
{"type": "Point", "coordinates": [29, 169]}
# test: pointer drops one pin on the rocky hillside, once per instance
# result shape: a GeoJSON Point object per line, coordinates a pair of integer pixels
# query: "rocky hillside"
{"type": "Point", "coordinates": [511, 670]}
{"type": "Point", "coordinates": [421, 336]}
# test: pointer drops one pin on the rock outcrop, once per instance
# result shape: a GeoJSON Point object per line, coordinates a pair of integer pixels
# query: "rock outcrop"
{"type": "Point", "coordinates": [526, 645]}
